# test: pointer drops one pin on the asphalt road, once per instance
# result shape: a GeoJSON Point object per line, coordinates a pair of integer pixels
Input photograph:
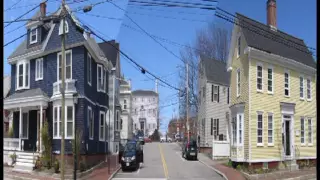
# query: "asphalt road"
{"type": "Point", "coordinates": [163, 161]}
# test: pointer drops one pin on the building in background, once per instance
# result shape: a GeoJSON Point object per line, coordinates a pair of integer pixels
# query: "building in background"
{"type": "Point", "coordinates": [7, 115]}
{"type": "Point", "coordinates": [145, 108]}
{"type": "Point", "coordinates": [126, 122]}
{"type": "Point", "coordinates": [213, 102]}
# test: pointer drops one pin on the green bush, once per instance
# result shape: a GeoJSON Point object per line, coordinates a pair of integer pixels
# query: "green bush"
{"type": "Point", "coordinates": [10, 132]}
{"type": "Point", "coordinates": [239, 167]}
{"type": "Point", "coordinates": [13, 158]}
{"type": "Point", "coordinates": [46, 141]}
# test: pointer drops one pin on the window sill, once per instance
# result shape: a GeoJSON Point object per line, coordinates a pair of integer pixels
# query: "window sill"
{"type": "Point", "coordinates": [310, 145]}
{"type": "Point", "coordinates": [22, 88]}
{"type": "Point", "coordinates": [66, 138]}
{"type": "Point", "coordinates": [286, 96]}
{"type": "Point", "coordinates": [39, 79]}
{"type": "Point", "coordinates": [24, 138]}
{"type": "Point", "coordinates": [259, 91]}
{"type": "Point", "coordinates": [303, 145]}
{"type": "Point", "coordinates": [33, 42]}
{"type": "Point", "coordinates": [260, 145]}
{"type": "Point", "coordinates": [309, 100]}
{"type": "Point", "coordinates": [301, 99]}
{"type": "Point", "coordinates": [270, 93]}
{"type": "Point", "coordinates": [102, 140]}
{"type": "Point", "coordinates": [270, 144]}
{"type": "Point", "coordinates": [90, 138]}
{"type": "Point", "coordinates": [89, 84]}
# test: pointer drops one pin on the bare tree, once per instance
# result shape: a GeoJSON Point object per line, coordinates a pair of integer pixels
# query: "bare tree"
{"type": "Point", "coordinates": [211, 42]}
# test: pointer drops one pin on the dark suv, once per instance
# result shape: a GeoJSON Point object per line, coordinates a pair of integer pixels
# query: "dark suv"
{"type": "Point", "coordinates": [190, 150]}
{"type": "Point", "coordinates": [131, 155]}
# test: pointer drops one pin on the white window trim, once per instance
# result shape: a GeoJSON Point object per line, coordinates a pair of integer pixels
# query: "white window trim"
{"type": "Point", "coordinates": [23, 62]}
{"type": "Point", "coordinates": [304, 131]}
{"type": "Point", "coordinates": [89, 75]}
{"type": "Point", "coordinates": [104, 124]}
{"type": "Point", "coordinates": [303, 80]}
{"type": "Point", "coordinates": [310, 144]}
{"type": "Point", "coordinates": [272, 143]}
{"type": "Point", "coordinates": [65, 122]}
{"type": "Point", "coordinates": [287, 71]}
{"type": "Point", "coordinates": [40, 62]}
{"type": "Point", "coordinates": [309, 78]}
{"type": "Point", "coordinates": [103, 88]}
{"type": "Point", "coordinates": [215, 93]}
{"type": "Point", "coordinates": [90, 112]}
{"type": "Point", "coordinates": [237, 88]}
{"type": "Point", "coordinates": [30, 38]}
{"type": "Point", "coordinates": [238, 129]}
{"type": "Point", "coordinates": [65, 74]}
{"type": "Point", "coordinates": [66, 27]}
{"type": "Point", "coordinates": [272, 84]}
{"type": "Point", "coordinates": [259, 90]}
{"type": "Point", "coordinates": [27, 126]}
{"type": "Point", "coordinates": [260, 144]}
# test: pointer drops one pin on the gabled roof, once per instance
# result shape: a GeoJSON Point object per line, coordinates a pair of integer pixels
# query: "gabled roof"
{"type": "Point", "coordinates": [216, 71]}
{"type": "Point", "coordinates": [109, 51]}
{"type": "Point", "coordinates": [266, 40]}
{"type": "Point", "coordinates": [27, 93]}
{"type": "Point", "coordinates": [144, 93]}
{"type": "Point", "coordinates": [6, 85]}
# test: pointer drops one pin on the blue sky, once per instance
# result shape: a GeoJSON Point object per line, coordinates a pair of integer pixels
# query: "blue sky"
{"type": "Point", "coordinates": [294, 17]}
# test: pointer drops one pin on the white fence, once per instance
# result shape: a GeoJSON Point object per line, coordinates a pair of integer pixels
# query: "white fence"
{"type": "Point", "coordinates": [11, 144]}
{"type": "Point", "coordinates": [220, 149]}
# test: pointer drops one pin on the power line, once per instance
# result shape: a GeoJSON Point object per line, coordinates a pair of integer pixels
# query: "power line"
{"type": "Point", "coordinates": [159, 3]}
{"type": "Point", "coordinates": [12, 5]}
{"type": "Point", "coordinates": [99, 16]}
{"type": "Point", "coordinates": [15, 39]}
{"type": "Point", "coordinates": [176, 2]}
{"type": "Point", "coordinates": [14, 29]}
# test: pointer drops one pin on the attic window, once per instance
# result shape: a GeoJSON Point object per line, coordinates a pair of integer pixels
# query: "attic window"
{"type": "Point", "coordinates": [33, 35]}
{"type": "Point", "coordinates": [61, 26]}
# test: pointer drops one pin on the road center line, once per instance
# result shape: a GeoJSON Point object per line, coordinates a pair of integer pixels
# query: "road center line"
{"type": "Point", "coordinates": [165, 169]}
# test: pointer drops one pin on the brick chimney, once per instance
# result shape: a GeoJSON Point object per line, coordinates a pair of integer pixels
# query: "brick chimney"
{"type": "Point", "coordinates": [272, 13]}
{"type": "Point", "coordinates": [43, 9]}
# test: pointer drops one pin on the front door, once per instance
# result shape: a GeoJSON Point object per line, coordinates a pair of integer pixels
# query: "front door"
{"type": "Point", "coordinates": [142, 126]}
{"type": "Point", "coordinates": [287, 135]}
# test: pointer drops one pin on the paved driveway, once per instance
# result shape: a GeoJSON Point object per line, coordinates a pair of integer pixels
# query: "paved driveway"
{"type": "Point", "coordinates": [164, 161]}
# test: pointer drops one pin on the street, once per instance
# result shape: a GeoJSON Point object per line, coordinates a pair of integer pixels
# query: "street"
{"type": "Point", "coordinates": [164, 161]}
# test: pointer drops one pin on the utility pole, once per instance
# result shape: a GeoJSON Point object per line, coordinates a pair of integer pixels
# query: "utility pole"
{"type": "Point", "coordinates": [63, 87]}
{"type": "Point", "coordinates": [187, 103]}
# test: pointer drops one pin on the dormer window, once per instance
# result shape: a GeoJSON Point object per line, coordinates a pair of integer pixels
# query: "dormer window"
{"type": "Point", "coordinates": [33, 35]}
{"type": "Point", "coordinates": [65, 26]}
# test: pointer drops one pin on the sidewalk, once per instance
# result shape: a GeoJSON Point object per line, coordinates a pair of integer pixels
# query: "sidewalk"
{"type": "Point", "coordinates": [226, 172]}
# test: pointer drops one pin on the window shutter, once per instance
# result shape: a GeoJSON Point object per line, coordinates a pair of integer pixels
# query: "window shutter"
{"type": "Point", "coordinates": [218, 93]}
{"type": "Point", "coordinates": [211, 93]}
{"type": "Point", "coordinates": [217, 127]}
{"type": "Point", "coordinates": [211, 127]}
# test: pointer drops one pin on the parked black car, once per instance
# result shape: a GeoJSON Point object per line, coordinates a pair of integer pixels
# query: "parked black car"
{"type": "Point", "coordinates": [131, 155]}
{"type": "Point", "coordinates": [190, 150]}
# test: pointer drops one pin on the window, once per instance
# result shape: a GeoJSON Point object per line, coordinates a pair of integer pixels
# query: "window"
{"type": "Point", "coordinates": [286, 84]}
{"type": "Point", "coordinates": [228, 97]}
{"type": "Point", "coordinates": [69, 122]}
{"type": "Point", "coordinates": [204, 91]}
{"type": "Point", "coordinates": [66, 27]}
{"type": "Point", "coordinates": [239, 46]}
{"type": "Point", "coordinates": [215, 129]}
{"type": "Point", "coordinates": [102, 126]}
{"type": "Point", "coordinates": [259, 129]}
{"type": "Point", "coordinates": [301, 87]}
{"type": "Point", "coordinates": [240, 128]}
{"type": "Point", "coordinates": [135, 126]}
{"type": "Point", "coordinates": [25, 126]}
{"type": "Point", "coordinates": [238, 83]}
{"type": "Point", "coordinates": [215, 93]}
{"type": "Point", "coordinates": [89, 69]}
{"type": "Point", "coordinates": [121, 124]}
{"type": "Point", "coordinates": [39, 69]}
{"type": "Point", "coordinates": [211, 127]}
{"type": "Point", "coordinates": [154, 112]}
{"type": "Point", "coordinates": [23, 75]}
{"type": "Point", "coordinates": [234, 130]}
{"type": "Point", "coordinates": [101, 76]}
{"type": "Point", "coordinates": [259, 77]}
{"type": "Point", "coordinates": [302, 130]}
{"type": "Point", "coordinates": [270, 80]}
{"type": "Point", "coordinates": [91, 123]}
{"type": "Point", "coordinates": [68, 65]}
{"type": "Point", "coordinates": [125, 104]}
{"type": "Point", "coordinates": [308, 89]}
{"type": "Point", "coordinates": [33, 35]}
{"type": "Point", "coordinates": [117, 121]}
{"type": "Point", "coordinates": [270, 129]}
{"type": "Point", "coordinates": [310, 132]}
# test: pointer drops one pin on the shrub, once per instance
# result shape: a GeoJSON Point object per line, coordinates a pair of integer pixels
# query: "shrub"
{"type": "Point", "coordinates": [239, 167]}
{"type": "Point", "coordinates": [259, 171]}
{"type": "Point", "coordinates": [13, 158]}
{"type": "Point", "coordinates": [56, 166]}
{"type": "Point", "coordinates": [10, 132]}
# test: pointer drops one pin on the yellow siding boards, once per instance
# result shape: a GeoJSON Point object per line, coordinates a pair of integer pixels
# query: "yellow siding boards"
{"type": "Point", "coordinates": [271, 103]}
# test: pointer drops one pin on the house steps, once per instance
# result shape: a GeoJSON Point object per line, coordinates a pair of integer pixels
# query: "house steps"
{"type": "Point", "coordinates": [25, 161]}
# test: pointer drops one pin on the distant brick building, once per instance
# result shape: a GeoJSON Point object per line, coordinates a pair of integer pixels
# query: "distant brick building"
{"type": "Point", "coordinates": [180, 125]}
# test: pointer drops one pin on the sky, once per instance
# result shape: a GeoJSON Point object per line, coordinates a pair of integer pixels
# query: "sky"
{"type": "Point", "coordinates": [297, 18]}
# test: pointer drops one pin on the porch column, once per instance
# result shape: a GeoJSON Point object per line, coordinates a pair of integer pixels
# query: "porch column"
{"type": "Point", "coordinates": [38, 132]}
{"type": "Point", "coordinates": [20, 128]}
{"type": "Point", "coordinates": [41, 117]}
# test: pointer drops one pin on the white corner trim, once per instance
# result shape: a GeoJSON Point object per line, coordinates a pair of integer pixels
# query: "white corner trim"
{"type": "Point", "coordinates": [249, 104]}
{"type": "Point", "coordinates": [247, 50]}
{"type": "Point", "coordinates": [48, 37]}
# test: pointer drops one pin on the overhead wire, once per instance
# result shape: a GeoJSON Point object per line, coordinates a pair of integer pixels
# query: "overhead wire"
{"type": "Point", "coordinates": [12, 5]}
{"type": "Point", "coordinates": [15, 39]}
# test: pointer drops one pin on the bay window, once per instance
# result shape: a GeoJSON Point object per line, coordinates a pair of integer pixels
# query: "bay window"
{"type": "Point", "coordinates": [39, 69]}
{"type": "Point", "coordinates": [23, 75]}
{"type": "Point", "coordinates": [68, 65]}
{"type": "Point", "coordinates": [69, 122]}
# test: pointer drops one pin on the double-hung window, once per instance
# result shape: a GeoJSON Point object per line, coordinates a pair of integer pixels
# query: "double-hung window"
{"type": "Point", "coordinates": [259, 129]}
{"type": "Point", "coordinates": [240, 130]}
{"type": "Point", "coordinates": [68, 65]}
{"type": "Point", "coordinates": [216, 128]}
{"type": "Point", "coordinates": [270, 129]}
{"type": "Point", "coordinates": [301, 87]}
{"type": "Point", "coordinates": [125, 104]}
{"type": "Point", "coordinates": [69, 122]}
{"type": "Point", "coordinates": [33, 35]}
{"type": "Point", "coordinates": [39, 69]}
{"type": "Point", "coordinates": [234, 131]}
{"type": "Point", "coordinates": [286, 83]}
{"type": "Point", "coordinates": [66, 27]}
{"type": "Point", "coordinates": [23, 75]}
{"type": "Point", "coordinates": [270, 80]}
{"type": "Point", "coordinates": [101, 78]}
{"type": "Point", "coordinates": [238, 83]}
{"type": "Point", "coordinates": [215, 93]}
{"type": "Point", "coordinates": [302, 130]}
{"type": "Point", "coordinates": [117, 120]}
{"type": "Point", "coordinates": [308, 88]}
{"type": "Point", "coordinates": [91, 122]}
{"type": "Point", "coordinates": [89, 69]}
{"type": "Point", "coordinates": [259, 77]}
{"type": "Point", "coordinates": [102, 126]}
{"type": "Point", "coordinates": [310, 138]}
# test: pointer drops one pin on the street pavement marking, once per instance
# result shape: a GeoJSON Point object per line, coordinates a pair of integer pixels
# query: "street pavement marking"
{"type": "Point", "coordinates": [125, 173]}
{"type": "Point", "coordinates": [179, 154]}
{"type": "Point", "coordinates": [165, 169]}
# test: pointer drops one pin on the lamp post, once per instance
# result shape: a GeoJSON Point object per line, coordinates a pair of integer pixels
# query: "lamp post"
{"type": "Point", "coordinates": [75, 101]}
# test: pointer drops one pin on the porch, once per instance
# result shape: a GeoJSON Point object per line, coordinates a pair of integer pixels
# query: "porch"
{"type": "Point", "coordinates": [29, 111]}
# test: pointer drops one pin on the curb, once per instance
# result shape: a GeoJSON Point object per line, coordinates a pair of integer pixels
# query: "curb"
{"type": "Point", "coordinates": [217, 171]}
{"type": "Point", "coordinates": [114, 173]}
